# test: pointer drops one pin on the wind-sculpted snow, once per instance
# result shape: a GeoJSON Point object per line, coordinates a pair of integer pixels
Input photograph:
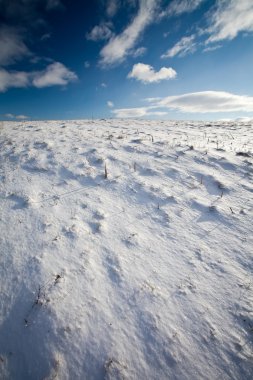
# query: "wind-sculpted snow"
{"type": "Point", "coordinates": [126, 250]}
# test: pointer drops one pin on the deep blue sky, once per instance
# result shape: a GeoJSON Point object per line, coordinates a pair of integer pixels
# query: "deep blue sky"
{"type": "Point", "coordinates": [63, 59]}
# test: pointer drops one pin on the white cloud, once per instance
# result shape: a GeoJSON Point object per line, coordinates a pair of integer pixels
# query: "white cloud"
{"type": "Point", "coordinates": [55, 74]}
{"type": "Point", "coordinates": [229, 19]}
{"type": "Point", "coordinates": [11, 79]}
{"type": "Point", "coordinates": [207, 101]}
{"type": "Point", "coordinates": [196, 102]}
{"type": "Point", "coordinates": [18, 117]}
{"type": "Point", "coordinates": [212, 48]}
{"type": "Point", "coordinates": [123, 113]}
{"type": "Point", "coordinates": [120, 46]}
{"type": "Point", "coordinates": [100, 32]}
{"type": "Point", "coordinates": [152, 100]}
{"type": "Point", "coordinates": [244, 119]}
{"type": "Point", "coordinates": [104, 85]}
{"type": "Point", "coordinates": [110, 104]}
{"type": "Point", "coordinates": [112, 7]}
{"type": "Point", "coordinates": [130, 112]}
{"type": "Point", "coordinates": [146, 73]}
{"type": "Point", "coordinates": [22, 117]}
{"type": "Point", "coordinates": [178, 7]}
{"type": "Point", "coordinates": [139, 52]}
{"type": "Point", "coordinates": [185, 46]}
{"type": "Point", "coordinates": [86, 64]}
{"type": "Point", "coordinates": [9, 115]}
{"type": "Point", "coordinates": [157, 113]}
{"type": "Point", "coordinates": [12, 46]}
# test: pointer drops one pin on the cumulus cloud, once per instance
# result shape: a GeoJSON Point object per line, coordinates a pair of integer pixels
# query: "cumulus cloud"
{"type": "Point", "coordinates": [185, 46]}
{"type": "Point", "coordinates": [207, 101]}
{"type": "Point", "coordinates": [100, 32]}
{"type": "Point", "coordinates": [178, 7]}
{"type": "Point", "coordinates": [55, 74]}
{"type": "Point", "coordinates": [146, 73]}
{"type": "Point", "coordinates": [12, 47]}
{"type": "Point", "coordinates": [121, 45]}
{"type": "Point", "coordinates": [229, 19]}
{"type": "Point", "coordinates": [11, 79]}
{"type": "Point", "coordinates": [110, 104]}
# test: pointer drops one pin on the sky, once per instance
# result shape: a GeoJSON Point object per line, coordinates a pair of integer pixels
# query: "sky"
{"type": "Point", "coordinates": [153, 59]}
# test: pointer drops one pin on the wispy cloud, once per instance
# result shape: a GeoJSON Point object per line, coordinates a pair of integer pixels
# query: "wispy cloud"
{"type": "Point", "coordinates": [112, 7]}
{"type": "Point", "coordinates": [152, 100]}
{"type": "Point", "coordinates": [22, 117]}
{"type": "Point", "coordinates": [54, 4]}
{"type": "Point", "coordinates": [147, 74]}
{"type": "Point", "coordinates": [130, 112]}
{"type": "Point", "coordinates": [12, 47]}
{"type": "Point", "coordinates": [211, 48]}
{"type": "Point", "coordinates": [45, 37]}
{"type": "Point", "coordinates": [183, 47]}
{"type": "Point", "coordinates": [110, 104]}
{"type": "Point", "coordinates": [18, 117]}
{"type": "Point", "coordinates": [136, 112]}
{"type": "Point", "coordinates": [178, 7]}
{"type": "Point", "coordinates": [55, 74]}
{"type": "Point", "coordinates": [139, 52]}
{"type": "Point", "coordinates": [224, 22]}
{"type": "Point", "coordinates": [9, 115]}
{"type": "Point", "coordinates": [100, 32]}
{"type": "Point", "coordinates": [229, 19]}
{"type": "Point", "coordinates": [121, 45]}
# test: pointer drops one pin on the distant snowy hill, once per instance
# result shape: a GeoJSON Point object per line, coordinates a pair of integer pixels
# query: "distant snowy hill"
{"type": "Point", "coordinates": [126, 250]}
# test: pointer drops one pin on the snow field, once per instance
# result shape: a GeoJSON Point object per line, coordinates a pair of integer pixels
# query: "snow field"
{"type": "Point", "coordinates": [145, 274]}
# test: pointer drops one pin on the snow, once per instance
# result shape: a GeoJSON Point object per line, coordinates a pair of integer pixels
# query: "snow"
{"type": "Point", "coordinates": [145, 274]}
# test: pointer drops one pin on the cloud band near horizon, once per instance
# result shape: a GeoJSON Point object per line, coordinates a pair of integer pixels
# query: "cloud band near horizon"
{"type": "Point", "coordinates": [197, 102]}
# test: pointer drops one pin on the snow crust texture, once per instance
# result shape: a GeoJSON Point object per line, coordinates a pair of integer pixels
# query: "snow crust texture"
{"type": "Point", "coordinates": [126, 250]}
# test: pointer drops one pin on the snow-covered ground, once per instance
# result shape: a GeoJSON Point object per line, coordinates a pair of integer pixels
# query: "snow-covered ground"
{"type": "Point", "coordinates": [145, 274]}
